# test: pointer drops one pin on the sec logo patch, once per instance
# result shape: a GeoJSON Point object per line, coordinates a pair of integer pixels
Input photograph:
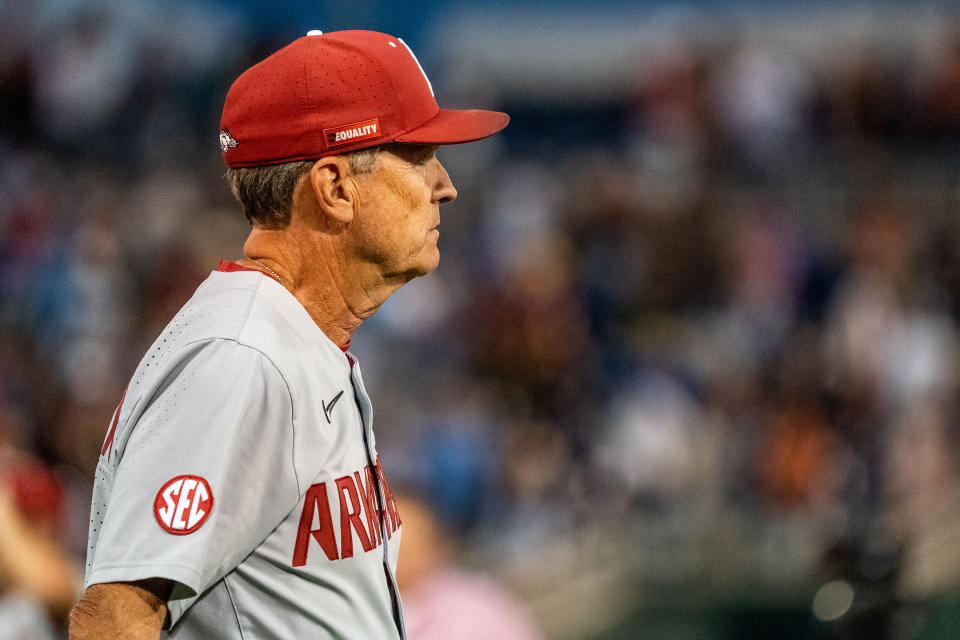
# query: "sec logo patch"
{"type": "Point", "coordinates": [183, 504]}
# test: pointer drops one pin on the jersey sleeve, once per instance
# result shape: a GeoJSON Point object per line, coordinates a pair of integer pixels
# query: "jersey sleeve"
{"type": "Point", "coordinates": [206, 474]}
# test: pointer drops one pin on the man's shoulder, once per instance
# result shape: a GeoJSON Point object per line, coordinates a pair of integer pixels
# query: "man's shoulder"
{"type": "Point", "coordinates": [218, 309]}
{"type": "Point", "coordinates": [213, 316]}
{"type": "Point", "coordinates": [259, 313]}
{"type": "Point", "coordinates": [254, 313]}
{"type": "Point", "coordinates": [244, 306]}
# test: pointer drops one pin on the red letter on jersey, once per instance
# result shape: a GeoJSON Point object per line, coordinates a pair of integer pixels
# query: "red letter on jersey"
{"type": "Point", "coordinates": [107, 448]}
{"type": "Point", "coordinates": [316, 501]}
{"type": "Point", "coordinates": [368, 494]}
{"type": "Point", "coordinates": [391, 503]}
{"type": "Point", "coordinates": [350, 517]}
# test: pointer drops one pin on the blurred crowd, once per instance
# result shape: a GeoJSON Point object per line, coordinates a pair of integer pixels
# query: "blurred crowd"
{"type": "Point", "coordinates": [704, 367]}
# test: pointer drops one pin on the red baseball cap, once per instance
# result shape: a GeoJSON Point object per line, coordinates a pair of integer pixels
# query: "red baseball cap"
{"type": "Point", "coordinates": [329, 93]}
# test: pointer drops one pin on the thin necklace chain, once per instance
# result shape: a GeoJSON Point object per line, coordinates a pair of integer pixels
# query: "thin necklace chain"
{"type": "Point", "coordinates": [273, 273]}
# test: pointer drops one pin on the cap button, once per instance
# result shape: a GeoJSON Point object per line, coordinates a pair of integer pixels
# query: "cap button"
{"type": "Point", "coordinates": [314, 32]}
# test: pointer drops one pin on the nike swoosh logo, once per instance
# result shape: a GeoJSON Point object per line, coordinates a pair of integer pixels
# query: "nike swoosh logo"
{"type": "Point", "coordinates": [327, 408]}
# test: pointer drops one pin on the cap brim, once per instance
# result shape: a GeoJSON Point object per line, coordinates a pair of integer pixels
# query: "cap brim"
{"type": "Point", "coordinates": [453, 126]}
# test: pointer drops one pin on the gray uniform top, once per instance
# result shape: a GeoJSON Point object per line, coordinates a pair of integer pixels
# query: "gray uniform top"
{"type": "Point", "coordinates": [241, 464]}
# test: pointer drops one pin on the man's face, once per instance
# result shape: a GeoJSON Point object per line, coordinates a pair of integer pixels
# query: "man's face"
{"type": "Point", "coordinates": [397, 223]}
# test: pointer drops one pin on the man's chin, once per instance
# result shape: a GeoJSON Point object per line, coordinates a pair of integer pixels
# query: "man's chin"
{"type": "Point", "coordinates": [435, 263]}
{"type": "Point", "coordinates": [424, 270]}
{"type": "Point", "coordinates": [419, 270]}
{"type": "Point", "coordinates": [430, 264]}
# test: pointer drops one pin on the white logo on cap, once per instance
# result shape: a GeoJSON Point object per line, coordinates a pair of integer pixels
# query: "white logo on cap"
{"type": "Point", "coordinates": [418, 64]}
{"type": "Point", "coordinates": [227, 141]}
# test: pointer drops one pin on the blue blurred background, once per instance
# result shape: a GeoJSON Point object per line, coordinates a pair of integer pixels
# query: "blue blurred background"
{"type": "Point", "coordinates": [689, 366]}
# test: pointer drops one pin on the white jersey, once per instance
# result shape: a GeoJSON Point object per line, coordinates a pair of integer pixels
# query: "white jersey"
{"type": "Point", "coordinates": [241, 465]}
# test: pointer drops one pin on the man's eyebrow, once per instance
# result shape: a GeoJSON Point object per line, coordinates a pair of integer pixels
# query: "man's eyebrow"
{"type": "Point", "coordinates": [424, 152]}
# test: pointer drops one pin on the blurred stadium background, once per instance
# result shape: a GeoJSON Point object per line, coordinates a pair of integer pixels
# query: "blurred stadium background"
{"type": "Point", "coordinates": [689, 366]}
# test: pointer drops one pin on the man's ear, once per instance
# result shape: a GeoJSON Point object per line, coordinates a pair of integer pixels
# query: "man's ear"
{"type": "Point", "coordinates": [331, 179]}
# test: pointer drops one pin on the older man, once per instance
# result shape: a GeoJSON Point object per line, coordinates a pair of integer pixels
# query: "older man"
{"type": "Point", "coordinates": [239, 493]}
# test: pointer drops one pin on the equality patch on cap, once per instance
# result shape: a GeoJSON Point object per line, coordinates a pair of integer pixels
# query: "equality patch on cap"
{"type": "Point", "coordinates": [350, 133]}
{"type": "Point", "coordinates": [183, 504]}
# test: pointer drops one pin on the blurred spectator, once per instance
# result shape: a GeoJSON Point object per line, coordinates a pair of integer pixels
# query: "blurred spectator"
{"type": "Point", "coordinates": [85, 75]}
{"type": "Point", "coordinates": [885, 333]}
{"type": "Point", "coordinates": [923, 482]}
{"type": "Point", "coordinates": [38, 581]}
{"type": "Point", "coordinates": [443, 600]}
{"type": "Point", "coordinates": [762, 98]}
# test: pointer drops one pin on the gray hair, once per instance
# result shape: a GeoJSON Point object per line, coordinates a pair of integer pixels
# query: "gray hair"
{"type": "Point", "coordinates": [266, 192]}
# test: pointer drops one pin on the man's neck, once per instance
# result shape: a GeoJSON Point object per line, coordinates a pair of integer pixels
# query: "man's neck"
{"type": "Point", "coordinates": [338, 295]}
{"type": "Point", "coordinates": [339, 303]}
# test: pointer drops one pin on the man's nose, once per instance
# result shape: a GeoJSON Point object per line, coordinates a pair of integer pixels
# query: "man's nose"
{"type": "Point", "coordinates": [443, 190]}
